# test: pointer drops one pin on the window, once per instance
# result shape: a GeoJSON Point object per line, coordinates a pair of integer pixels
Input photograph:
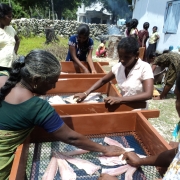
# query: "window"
{"type": "Point", "coordinates": [171, 17]}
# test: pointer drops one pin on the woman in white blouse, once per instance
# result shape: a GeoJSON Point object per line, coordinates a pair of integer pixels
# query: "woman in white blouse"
{"type": "Point", "coordinates": [134, 76]}
{"type": "Point", "coordinates": [9, 41]}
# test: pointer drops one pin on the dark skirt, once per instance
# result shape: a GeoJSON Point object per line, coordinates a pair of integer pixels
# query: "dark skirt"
{"type": "Point", "coordinates": [151, 49]}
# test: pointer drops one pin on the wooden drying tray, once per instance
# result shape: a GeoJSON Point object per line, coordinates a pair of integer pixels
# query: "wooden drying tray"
{"type": "Point", "coordinates": [73, 85]}
{"type": "Point", "coordinates": [75, 72]}
{"type": "Point", "coordinates": [97, 124]}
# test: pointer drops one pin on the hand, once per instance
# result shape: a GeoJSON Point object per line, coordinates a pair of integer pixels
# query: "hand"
{"type": "Point", "coordinates": [113, 151]}
{"type": "Point", "coordinates": [113, 100]}
{"type": "Point", "coordinates": [132, 158]}
{"type": "Point", "coordinates": [156, 98]}
{"type": "Point", "coordinates": [85, 70]}
{"type": "Point", "coordinates": [107, 177]}
{"type": "Point", "coordinates": [80, 97]}
{"type": "Point", "coordinates": [94, 71]}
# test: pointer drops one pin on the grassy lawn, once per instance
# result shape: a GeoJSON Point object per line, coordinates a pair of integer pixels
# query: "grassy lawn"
{"type": "Point", "coordinates": [28, 44]}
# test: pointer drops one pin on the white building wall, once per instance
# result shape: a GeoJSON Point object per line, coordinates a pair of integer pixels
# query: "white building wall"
{"type": "Point", "coordinates": [153, 11]}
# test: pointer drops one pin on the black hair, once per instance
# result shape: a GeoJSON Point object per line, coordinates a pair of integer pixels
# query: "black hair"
{"type": "Point", "coordinates": [133, 24]}
{"type": "Point", "coordinates": [146, 25]}
{"type": "Point", "coordinates": [36, 63]}
{"type": "Point", "coordinates": [4, 10]}
{"type": "Point", "coordinates": [152, 55]}
{"type": "Point", "coordinates": [178, 81]}
{"type": "Point", "coordinates": [83, 29]}
{"type": "Point", "coordinates": [166, 51]}
{"type": "Point", "coordinates": [130, 44]}
{"type": "Point", "coordinates": [155, 27]}
{"type": "Point", "coordinates": [102, 40]}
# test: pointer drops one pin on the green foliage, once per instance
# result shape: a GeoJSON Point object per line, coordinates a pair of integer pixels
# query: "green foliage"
{"type": "Point", "coordinates": [18, 10]}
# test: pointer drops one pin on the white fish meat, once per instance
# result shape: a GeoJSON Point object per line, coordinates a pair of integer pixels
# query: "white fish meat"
{"type": "Point", "coordinates": [75, 152]}
{"type": "Point", "coordinates": [116, 171]}
{"type": "Point", "coordinates": [129, 173]}
{"type": "Point", "coordinates": [66, 172]}
{"type": "Point", "coordinates": [56, 100]}
{"type": "Point", "coordinates": [116, 143]}
{"type": "Point", "coordinates": [51, 170]}
{"type": "Point", "coordinates": [111, 161]}
{"type": "Point", "coordinates": [89, 167]}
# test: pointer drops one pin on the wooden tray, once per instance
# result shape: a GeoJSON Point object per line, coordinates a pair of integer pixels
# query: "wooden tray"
{"type": "Point", "coordinates": [97, 124]}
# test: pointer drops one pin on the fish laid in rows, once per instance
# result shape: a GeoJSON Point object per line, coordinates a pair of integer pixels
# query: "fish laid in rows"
{"type": "Point", "coordinates": [116, 143]}
{"type": "Point", "coordinates": [89, 167]}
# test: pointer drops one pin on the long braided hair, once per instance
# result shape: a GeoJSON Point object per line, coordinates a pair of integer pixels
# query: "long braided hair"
{"type": "Point", "coordinates": [37, 62]}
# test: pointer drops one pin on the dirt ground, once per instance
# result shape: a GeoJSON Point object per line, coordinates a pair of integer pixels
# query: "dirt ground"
{"type": "Point", "coordinates": [168, 118]}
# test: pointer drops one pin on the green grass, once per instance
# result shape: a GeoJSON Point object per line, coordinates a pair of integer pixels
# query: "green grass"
{"type": "Point", "coordinates": [28, 44]}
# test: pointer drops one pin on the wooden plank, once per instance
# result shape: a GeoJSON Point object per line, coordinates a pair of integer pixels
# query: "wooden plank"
{"type": "Point", "coordinates": [18, 170]}
{"type": "Point", "coordinates": [75, 85]}
{"type": "Point", "coordinates": [89, 124]}
{"type": "Point", "coordinates": [91, 108]}
{"type": "Point", "coordinates": [151, 113]}
{"type": "Point", "coordinates": [149, 136]}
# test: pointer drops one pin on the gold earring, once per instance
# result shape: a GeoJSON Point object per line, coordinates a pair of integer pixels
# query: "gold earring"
{"type": "Point", "coordinates": [35, 86]}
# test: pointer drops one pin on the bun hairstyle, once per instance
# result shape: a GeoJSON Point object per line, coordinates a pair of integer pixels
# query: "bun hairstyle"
{"type": "Point", "coordinates": [4, 10]}
{"type": "Point", "coordinates": [37, 63]}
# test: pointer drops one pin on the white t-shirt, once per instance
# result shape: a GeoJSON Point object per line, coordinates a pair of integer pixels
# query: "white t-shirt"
{"type": "Point", "coordinates": [132, 85]}
{"type": "Point", "coordinates": [173, 172]}
{"type": "Point", "coordinates": [7, 43]}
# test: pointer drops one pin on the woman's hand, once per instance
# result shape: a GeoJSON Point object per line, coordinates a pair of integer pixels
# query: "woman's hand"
{"type": "Point", "coordinates": [113, 100]}
{"type": "Point", "coordinates": [132, 158]}
{"type": "Point", "coordinates": [80, 97]}
{"type": "Point", "coordinates": [107, 177]}
{"type": "Point", "coordinates": [113, 151]}
{"type": "Point", "coordinates": [94, 71]}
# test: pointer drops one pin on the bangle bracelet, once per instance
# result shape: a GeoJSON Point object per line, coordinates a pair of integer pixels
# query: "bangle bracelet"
{"type": "Point", "coordinates": [85, 93]}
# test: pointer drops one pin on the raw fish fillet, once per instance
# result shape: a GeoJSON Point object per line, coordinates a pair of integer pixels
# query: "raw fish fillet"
{"type": "Point", "coordinates": [66, 172]}
{"type": "Point", "coordinates": [129, 173]}
{"type": "Point", "coordinates": [56, 100]}
{"type": "Point", "coordinates": [111, 161]}
{"type": "Point", "coordinates": [116, 171]}
{"type": "Point", "coordinates": [51, 170]}
{"type": "Point", "coordinates": [75, 152]}
{"type": "Point", "coordinates": [89, 167]}
{"type": "Point", "coordinates": [116, 143]}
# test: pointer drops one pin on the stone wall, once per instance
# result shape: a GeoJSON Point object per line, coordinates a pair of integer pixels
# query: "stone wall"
{"type": "Point", "coordinates": [62, 27]}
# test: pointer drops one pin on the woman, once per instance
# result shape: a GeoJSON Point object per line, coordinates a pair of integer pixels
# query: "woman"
{"type": "Point", "coordinates": [143, 35]}
{"type": "Point", "coordinates": [102, 50]}
{"type": "Point", "coordinates": [20, 110]}
{"type": "Point", "coordinates": [80, 48]}
{"type": "Point", "coordinates": [132, 28]}
{"type": "Point", "coordinates": [152, 43]}
{"type": "Point", "coordinates": [134, 77]}
{"type": "Point", "coordinates": [9, 41]}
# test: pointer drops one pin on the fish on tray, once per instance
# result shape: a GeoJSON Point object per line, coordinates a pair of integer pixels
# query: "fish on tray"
{"type": "Point", "coordinates": [91, 98]}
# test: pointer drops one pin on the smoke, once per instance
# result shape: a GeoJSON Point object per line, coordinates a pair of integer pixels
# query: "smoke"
{"type": "Point", "coordinates": [120, 8]}
{"type": "Point", "coordinates": [113, 29]}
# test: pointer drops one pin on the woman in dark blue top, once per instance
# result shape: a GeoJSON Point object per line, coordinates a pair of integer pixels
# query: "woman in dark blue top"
{"type": "Point", "coordinates": [80, 48]}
